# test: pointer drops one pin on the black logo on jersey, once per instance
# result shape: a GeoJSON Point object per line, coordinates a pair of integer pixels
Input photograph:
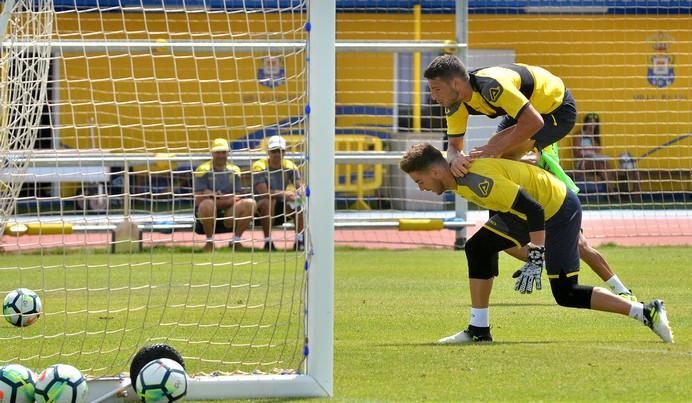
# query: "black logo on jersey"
{"type": "Point", "coordinates": [495, 93]}
{"type": "Point", "coordinates": [452, 109]}
{"type": "Point", "coordinates": [484, 187]}
{"type": "Point", "coordinates": [479, 184]}
{"type": "Point", "coordinates": [491, 89]}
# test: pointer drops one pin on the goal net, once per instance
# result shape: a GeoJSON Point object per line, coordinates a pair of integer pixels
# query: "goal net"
{"type": "Point", "coordinates": [138, 92]}
{"type": "Point", "coordinates": [626, 64]}
{"type": "Point", "coordinates": [25, 30]}
{"type": "Point", "coordinates": [151, 108]}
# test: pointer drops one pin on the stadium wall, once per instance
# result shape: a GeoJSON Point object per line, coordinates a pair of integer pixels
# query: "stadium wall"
{"type": "Point", "coordinates": [606, 61]}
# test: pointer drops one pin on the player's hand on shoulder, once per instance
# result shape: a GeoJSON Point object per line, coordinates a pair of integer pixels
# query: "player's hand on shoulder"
{"type": "Point", "coordinates": [530, 158]}
{"type": "Point", "coordinates": [486, 151]}
{"type": "Point", "coordinates": [460, 165]}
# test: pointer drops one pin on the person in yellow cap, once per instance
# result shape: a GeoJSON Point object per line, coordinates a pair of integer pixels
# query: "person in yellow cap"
{"type": "Point", "coordinates": [277, 185]}
{"type": "Point", "coordinates": [221, 203]}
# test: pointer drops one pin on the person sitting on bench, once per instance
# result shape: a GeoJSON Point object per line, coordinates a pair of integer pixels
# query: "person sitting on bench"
{"type": "Point", "coordinates": [221, 204]}
{"type": "Point", "coordinates": [278, 187]}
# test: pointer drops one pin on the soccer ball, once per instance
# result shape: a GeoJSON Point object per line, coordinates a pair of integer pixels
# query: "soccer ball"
{"type": "Point", "coordinates": [61, 383]}
{"type": "Point", "coordinates": [149, 353]}
{"type": "Point", "coordinates": [22, 307]}
{"type": "Point", "coordinates": [16, 384]}
{"type": "Point", "coordinates": [161, 380]}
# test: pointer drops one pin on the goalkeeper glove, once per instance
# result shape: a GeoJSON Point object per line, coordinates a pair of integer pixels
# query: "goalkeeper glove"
{"type": "Point", "coordinates": [530, 273]}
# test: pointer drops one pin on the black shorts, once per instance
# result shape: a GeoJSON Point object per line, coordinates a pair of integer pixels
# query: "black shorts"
{"type": "Point", "coordinates": [561, 235]}
{"type": "Point", "coordinates": [557, 124]}
{"type": "Point", "coordinates": [219, 227]}
{"type": "Point", "coordinates": [278, 215]}
{"type": "Point", "coordinates": [562, 238]}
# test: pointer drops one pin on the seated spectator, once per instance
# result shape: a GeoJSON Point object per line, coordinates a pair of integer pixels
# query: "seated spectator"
{"type": "Point", "coordinates": [219, 200]}
{"type": "Point", "coordinates": [277, 186]}
{"type": "Point", "coordinates": [593, 166]}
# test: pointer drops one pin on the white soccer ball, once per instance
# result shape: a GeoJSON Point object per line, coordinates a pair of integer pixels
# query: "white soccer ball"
{"type": "Point", "coordinates": [61, 383]}
{"type": "Point", "coordinates": [22, 307]}
{"type": "Point", "coordinates": [161, 380]}
{"type": "Point", "coordinates": [17, 384]}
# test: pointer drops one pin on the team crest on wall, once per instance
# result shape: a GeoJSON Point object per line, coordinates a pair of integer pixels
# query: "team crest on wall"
{"type": "Point", "coordinates": [660, 70]}
{"type": "Point", "coordinates": [273, 73]}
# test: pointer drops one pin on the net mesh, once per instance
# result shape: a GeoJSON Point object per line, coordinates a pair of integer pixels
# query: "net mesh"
{"type": "Point", "coordinates": [25, 30]}
{"type": "Point", "coordinates": [627, 64]}
{"type": "Point", "coordinates": [138, 93]}
{"type": "Point", "coordinates": [628, 69]}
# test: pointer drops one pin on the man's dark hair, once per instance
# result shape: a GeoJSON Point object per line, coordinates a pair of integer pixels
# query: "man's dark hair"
{"type": "Point", "coordinates": [420, 157]}
{"type": "Point", "coordinates": [446, 67]}
{"type": "Point", "coordinates": [592, 117]}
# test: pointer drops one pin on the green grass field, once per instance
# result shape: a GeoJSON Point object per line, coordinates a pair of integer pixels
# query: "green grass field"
{"type": "Point", "coordinates": [391, 306]}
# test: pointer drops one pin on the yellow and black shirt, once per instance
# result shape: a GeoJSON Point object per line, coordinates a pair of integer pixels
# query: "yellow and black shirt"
{"type": "Point", "coordinates": [506, 90]}
{"type": "Point", "coordinates": [494, 183]}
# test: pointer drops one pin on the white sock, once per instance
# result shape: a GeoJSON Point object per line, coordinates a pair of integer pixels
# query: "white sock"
{"type": "Point", "coordinates": [299, 237]}
{"type": "Point", "coordinates": [267, 239]}
{"type": "Point", "coordinates": [637, 311]}
{"type": "Point", "coordinates": [479, 317]}
{"type": "Point", "coordinates": [210, 239]}
{"type": "Point", "coordinates": [616, 285]}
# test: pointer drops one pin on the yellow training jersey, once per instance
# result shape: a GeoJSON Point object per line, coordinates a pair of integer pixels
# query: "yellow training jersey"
{"type": "Point", "coordinates": [493, 183]}
{"type": "Point", "coordinates": [506, 90]}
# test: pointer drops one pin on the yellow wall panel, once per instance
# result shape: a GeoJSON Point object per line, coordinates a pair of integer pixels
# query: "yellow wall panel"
{"type": "Point", "coordinates": [604, 60]}
{"type": "Point", "coordinates": [157, 102]}
{"type": "Point", "coordinates": [183, 103]}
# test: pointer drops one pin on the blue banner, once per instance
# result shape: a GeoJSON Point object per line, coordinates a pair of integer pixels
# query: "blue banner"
{"type": "Point", "coordinates": [404, 6]}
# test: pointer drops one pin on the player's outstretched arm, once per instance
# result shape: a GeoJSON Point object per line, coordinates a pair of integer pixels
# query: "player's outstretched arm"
{"type": "Point", "coordinates": [515, 140]}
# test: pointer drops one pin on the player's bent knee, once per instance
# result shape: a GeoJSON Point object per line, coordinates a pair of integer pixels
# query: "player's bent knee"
{"type": "Point", "coordinates": [206, 208]}
{"type": "Point", "coordinates": [569, 294]}
{"type": "Point", "coordinates": [247, 207]}
{"type": "Point", "coordinates": [482, 256]}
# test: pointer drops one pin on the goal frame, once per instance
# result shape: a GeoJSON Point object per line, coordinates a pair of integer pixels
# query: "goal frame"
{"type": "Point", "coordinates": [316, 380]}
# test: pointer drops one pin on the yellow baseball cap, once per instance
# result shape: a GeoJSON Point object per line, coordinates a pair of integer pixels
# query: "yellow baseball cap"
{"type": "Point", "coordinates": [219, 145]}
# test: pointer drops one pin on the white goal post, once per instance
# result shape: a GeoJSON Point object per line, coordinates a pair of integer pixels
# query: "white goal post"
{"type": "Point", "coordinates": [313, 296]}
{"type": "Point", "coordinates": [138, 93]}
{"type": "Point", "coordinates": [110, 111]}
{"type": "Point", "coordinates": [317, 379]}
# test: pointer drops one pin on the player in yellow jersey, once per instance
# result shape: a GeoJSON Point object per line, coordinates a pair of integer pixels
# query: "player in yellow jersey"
{"type": "Point", "coordinates": [536, 110]}
{"type": "Point", "coordinates": [536, 107]}
{"type": "Point", "coordinates": [532, 208]}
